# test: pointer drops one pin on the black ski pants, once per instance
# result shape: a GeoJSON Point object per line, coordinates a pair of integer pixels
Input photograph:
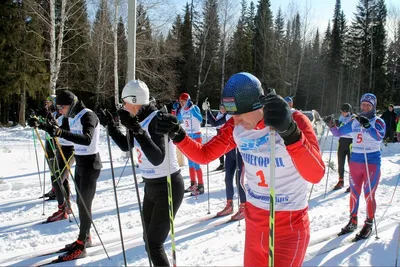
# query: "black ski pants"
{"type": "Point", "coordinates": [86, 176]}
{"type": "Point", "coordinates": [63, 174]}
{"type": "Point", "coordinates": [156, 213]}
{"type": "Point", "coordinates": [344, 150]}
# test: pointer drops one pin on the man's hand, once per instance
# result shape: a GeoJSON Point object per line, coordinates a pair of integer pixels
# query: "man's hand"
{"type": "Point", "coordinates": [33, 122]}
{"type": "Point", "coordinates": [130, 122]}
{"type": "Point", "coordinates": [205, 105]}
{"type": "Point", "coordinates": [168, 124]}
{"type": "Point", "coordinates": [105, 118]}
{"type": "Point", "coordinates": [277, 113]}
{"type": "Point", "coordinates": [364, 121]}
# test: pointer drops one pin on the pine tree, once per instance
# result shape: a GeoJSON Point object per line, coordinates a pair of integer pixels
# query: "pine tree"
{"type": "Point", "coordinates": [263, 40]}
{"type": "Point", "coordinates": [101, 51]}
{"type": "Point", "coordinates": [74, 73]}
{"type": "Point", "coordinates": [207, 51]}
{"type": "Point", "coordinates": [379, 49]}
{"type": "Point", "coordinates": [187, 71]}
{"type": "Point", "coordinates": [240, 47]}
{"type": "Point", "coordinates": [24, 75]}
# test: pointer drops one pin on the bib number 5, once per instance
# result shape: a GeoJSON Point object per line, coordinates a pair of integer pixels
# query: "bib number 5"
{"type": "Point", "coordinates": [359, 138]}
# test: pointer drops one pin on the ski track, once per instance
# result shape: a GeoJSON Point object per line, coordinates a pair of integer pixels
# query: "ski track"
{"type": "Point", "coordinates": [199, 242]}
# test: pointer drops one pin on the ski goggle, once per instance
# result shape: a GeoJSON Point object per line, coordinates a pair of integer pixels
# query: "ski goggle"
{"type": "Point", "coordinates": [59, 107]}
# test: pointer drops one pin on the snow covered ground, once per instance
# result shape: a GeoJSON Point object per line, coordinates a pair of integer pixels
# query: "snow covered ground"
{"type": "Point", "coordinates": [22, 237]}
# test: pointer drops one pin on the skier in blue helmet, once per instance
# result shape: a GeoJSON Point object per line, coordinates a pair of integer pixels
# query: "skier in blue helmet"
{"type": "Point", "coordinates": [297, 160]}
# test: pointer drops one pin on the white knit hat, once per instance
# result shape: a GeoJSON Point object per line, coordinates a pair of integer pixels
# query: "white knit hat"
{"type": "Point", "coordinates": [136, 92]}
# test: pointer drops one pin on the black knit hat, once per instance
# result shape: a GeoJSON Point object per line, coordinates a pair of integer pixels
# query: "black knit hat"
{"type": "Point", "coordinates": [65, 97]}
{"type": "Point", "coordinates": [346, 107]}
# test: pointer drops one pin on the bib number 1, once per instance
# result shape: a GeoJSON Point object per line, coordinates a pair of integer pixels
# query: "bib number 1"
{"type": "Point", "coordinates": [262, 183]}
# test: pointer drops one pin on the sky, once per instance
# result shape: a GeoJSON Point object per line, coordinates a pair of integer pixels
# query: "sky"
{"type": "Point", "coordinates": [320, 11]}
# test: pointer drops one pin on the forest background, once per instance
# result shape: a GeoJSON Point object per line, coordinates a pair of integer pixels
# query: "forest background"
{"type": "Point", "coordinates": [49, 45]}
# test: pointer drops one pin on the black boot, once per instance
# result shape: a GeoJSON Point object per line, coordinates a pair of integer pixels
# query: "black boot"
{"type": "Point", "coordinates": [366, 230]}
{"type": "Point", "coordinates": [339, 185]}
{"type": "Point", "coordinates": [191, 187]}
{"type": "Point", "coordinates": [199, 190]}
{"type": "Point", "coordinates": [351, 226]}
{"type": "Point", "coordinates": [221, 167]}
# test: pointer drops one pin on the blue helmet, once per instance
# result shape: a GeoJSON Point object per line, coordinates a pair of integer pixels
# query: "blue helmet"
{"type": "Point", "coordinates": [241, 93]}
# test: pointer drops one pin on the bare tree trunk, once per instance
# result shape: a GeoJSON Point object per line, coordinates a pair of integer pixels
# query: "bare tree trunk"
{"type": "Point", "coordinates": [52, 32]}
{"type": "Point", "coordinates": [116, 86]}
{"type": "Point", "coordinates": [323, 94]}
{"type": "Point", "coordinates": [371, 66]}
{"type": "Point", "coordinates": [100, 62]}
{"type": "Point", "coordinates": [21, 117]}
{"type": "Point", "coordinates": [56, 45]}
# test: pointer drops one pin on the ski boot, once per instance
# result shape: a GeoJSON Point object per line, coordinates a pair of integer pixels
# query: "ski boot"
{"type": "Point", "coordinates": [350, 227]}
{"type": "Point", "coordinates": [227, 210]}
{"type": "Point", "coordinates": [76, 250]}
{"type": "Point", "coordinates": [191, 188]}
{"type": "Point", "coordinates": [198, 190]}
{"type": "Point", "coordinates": [366, 231]}
{"type": "Point", "coordinates": [221, 167]}
{"type": "Point", "coordinates": [240, 214]}
{"type": "Point", "coordinates": [339, 185]}
{"type": "Point", "coordinates": [59, 215]}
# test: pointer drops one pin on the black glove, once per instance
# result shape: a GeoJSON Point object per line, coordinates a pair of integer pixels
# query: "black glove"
{"type": "Point", "coordinates": [364, 121]}
{"type": "Point", "coordinates": [130, 122]}
{"type": "Point", "coordinates": [277, 114]}
{"type": "Point", "coordinates": [337, 123]}
{"type": "Point", "coordinates": [52, 129]}
{"type": "Point", "coordinates": [330, 121]}
{"type": "Point", "coordinates": [105, 118]}
{"type": "Point", "coordinates": [33, 122]}
{"type": "Point", "coordinates": [169, 124]}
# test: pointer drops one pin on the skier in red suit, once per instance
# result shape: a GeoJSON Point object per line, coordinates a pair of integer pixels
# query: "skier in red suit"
{"type": "Point", "coordinates": [297, 160]}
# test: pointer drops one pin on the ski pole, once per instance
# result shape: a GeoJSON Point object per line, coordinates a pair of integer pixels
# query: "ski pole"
{"type": "Point", "coordinates": [59, 180]}
{"type": "Point", "coordinates": [398, 246]}
{"type": "Point", "coordinates": [271, 253]}
{"type": "Point", "coordinates": [37, 159]}
{"type": "Point", "coordinates": [78, 191]}
{"type": "Point", "coordinates": [237, 177]}
{"type": "Point", "coordinates": [329, 168]}
{"type": "Point", "coordinates": [46, 156]}
{"type": "Point", "coordinates": [208, 170]}
{"type": "Point", "coordinates": [370, 189]}
{"type": "Point", "coordinates": [170, 200]}
{"type": "Point", "coordinates": [44, 176]}
{"type": "Point", "coordinates": [146, 240]}
{"type": "Point", "coordinates": [116, 198]}
{"type": "Point", "coordinates": [122, 171]}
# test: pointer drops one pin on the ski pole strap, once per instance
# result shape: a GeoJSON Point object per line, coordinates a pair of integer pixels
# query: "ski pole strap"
{"type": "Point", "coordinates": [45, 152]}
{"type": "Point", "coordinates": [62, 171]}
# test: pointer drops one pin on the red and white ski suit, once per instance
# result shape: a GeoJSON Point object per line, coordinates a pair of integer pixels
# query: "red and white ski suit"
{"type": "Point", "coordinates": [296, 164]}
